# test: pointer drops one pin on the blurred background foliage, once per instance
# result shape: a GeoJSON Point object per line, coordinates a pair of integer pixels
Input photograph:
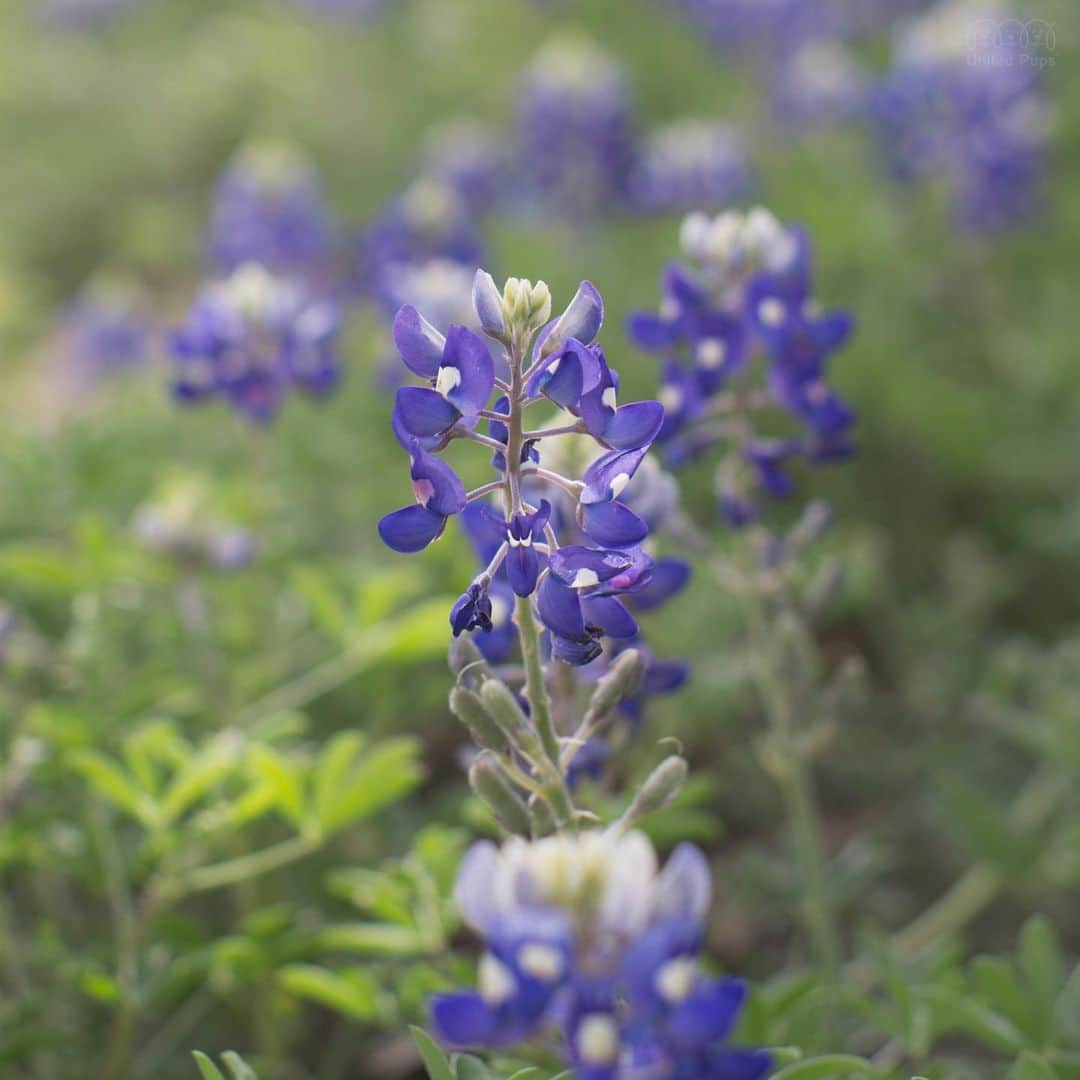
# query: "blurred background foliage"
{"type": "Point", "coordinates": [231, 804]}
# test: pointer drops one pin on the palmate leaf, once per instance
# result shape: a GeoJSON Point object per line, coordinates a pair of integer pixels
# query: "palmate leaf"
{"type": "Point", "coordinates": [1042, 964]}
{"type": "Point", "coordinates": [236, 1067]}
{"type": "Point", "coordinates": [284, 777]}
{"type": "Point", "coordinates": [115, 785]}
{"type": "Point", "coordinates": [381, 776]}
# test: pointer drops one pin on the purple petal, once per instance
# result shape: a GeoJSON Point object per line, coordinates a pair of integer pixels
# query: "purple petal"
{"type": "Point", "coordinates": [607, 476]}
{"type": "Point", "coordinates": [582, 567]}
{"type": "Point", "coordinates": [608, 613]}
{"type": "Point", "coordinates": [667, 578]}
{"type": "Point", "coordinates": [709, 1014]}
{"type": "Point", "coordinates": [436, 486]}
{"type": "Point", "coordinates": [559, 608]}
{"type": "Point", "coordinates": [665, 676]}
{"type": "Point", "coordinates": [612, 524]}
{"type": "Point", "coordinates": [684, 887]}
{"type": "Point", "coordinates": [634, 426]}
{"type": "Point", "coordinates": [488, 303]}
{"type": "Point", "coordinates": [419, 343]}
{"type": "Point", "coordinates": [522, 568]}
{"type": "Point", "coordinates": [411, 529]}
{"type": "Point", "coordinates": [735, 1064]}
{"type": "Point", "coordinates": [486, 529]}
{"type": "Point", "coordinates": [651, 331]}
{"type": "Point", "coordinates": [466, 376]}
{"type": "Point", "coordinates": [581, 320]}
{"type": "Point", "coordinates": [423, 412]}
{"type": "Point", "coordinates": [463, 1019]}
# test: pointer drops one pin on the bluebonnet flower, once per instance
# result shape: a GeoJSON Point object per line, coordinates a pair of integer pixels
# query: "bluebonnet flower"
{"type": "Point", "coordinates": [429, 220]}
{"type": "Point", "coordinates": [963, 106]}
{"type": "Point", "coordinates": [819, 84]}
{"type": "Point", "coordinates": [574, 586]}
{"type": "Point", "coordinates": [83, 14]}
{"type": "Point", "coordinates": [353, 10]}
{"type": "Point", "coordinates": [465, 154]}
{"type": "Point", "coordinates": [251, 338]}
{"type": "Point", "coordinates": [688, 164]}
{"type": "Point", "coordinates": [746, 292]}
{"type": "Point", "coordinates": [268, 208]}
{"type": "Point", "coordinates": [589, 940]}
{"type": "Point", "coordinates": [184, 522]}
{"type": "Point", "coordinates": [575, 128]}
{"type": "Point", "coordinates": [105, 332]}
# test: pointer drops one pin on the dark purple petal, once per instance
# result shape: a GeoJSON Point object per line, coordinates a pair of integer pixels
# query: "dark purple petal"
{"type": "Point", "coordinates": [576, 652]}
{"type": "Point", "coordinates": [665, 676]}
{"type": "Point", "coordinates": [523, 567]}
{"type": "Point", "coordinates": [667, 578]}
{"type": "Point", "coordinates": [436, 486]}
{"type": "Point", "coordinates": [466, 375]}
{"type": "Point", "coordinates": [582, 567]}
{"type": "Point", "coordinates": [411, 529]}
{"type": "Point", "coordinates": [419, 343]}
{"type": "Point", "coordinates": [561, 377]}
{"type": "Point", "coordinates": [559, 608]}
{"type": "Point", "coordinates": [609, 615]}
{"type": "Point", "coordinates": [679, 285]}
{"type": "Point", "coordinates": [735, 1064]}
{"type": "Point", "coordinates": [607, 476]}
{"type": "Point", "coordinates": [833, 329]}
{"type": "Point", "coordinates": [486, 529]}
{"type": "Point", "coordinates": [471, 611]}
{"type": "Point", "coordinates": [634, 426]}
{"type": "Point", "coordinates": [424, 413]}
{"type": "Point", "coordinates": [651, 332]}
{"type": "Point", "coordinates": [464, 1020]}
{"type": "Point", "coordinates": [612, 524]}
{"type": "Point", "coordinates": [709, 1014]}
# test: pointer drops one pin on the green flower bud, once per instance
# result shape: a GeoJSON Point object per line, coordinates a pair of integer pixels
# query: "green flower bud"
{"type": "Point", "coordinates": [660, 787]}
{"type": "Point", "coordinates": [469, 709]}
{"type": "Point", "coordinates": [492, 784]}
{"type": "Point", "coordinates": [499, 701]}
{"type": "Point", "coordinates": [620, 682]}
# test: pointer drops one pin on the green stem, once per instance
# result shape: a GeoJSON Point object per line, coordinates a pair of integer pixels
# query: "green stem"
{"type": "Point", "coordinates": [795, 781]}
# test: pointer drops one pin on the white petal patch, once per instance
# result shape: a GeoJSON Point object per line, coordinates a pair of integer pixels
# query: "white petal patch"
{"type": "Point", "coordinates": [675, 979]}
{"type": "Point", "coordinates": [585, 579]}
{"type": "Point", "coordinates": [711, 352]}
{"type": "Point", "coordinates": [598, 1040]}
{"type": "Point", "coordinates": [608, 397]}
{"type": "Point", "coordinates": [771, 311]}
{"type": "Point", "coordinates": [448, 379]}
{"type": "Point", "coordinates": [423, 490]}
{"type": "Point", "coordinates": [541, 961]}
{"type": "Point", "coordinates": [495, 980]}
{"type": "Point", "coordinates": [618, 483]}
{"type": "Point", "coordinates": [671, 397]}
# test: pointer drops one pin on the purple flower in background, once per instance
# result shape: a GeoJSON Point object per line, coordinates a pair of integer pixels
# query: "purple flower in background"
{"type": "Point", "coordinates": [963, 105]}
{"type": "Point", "coordinates": [819, 84]}
{"type": "Point", "coordinates": [688, 164]}
{"type": "Point", "coordinates": [253, 337]}
{"type": "Point", "coordinates": [585, 936]}
{"type": "Point", "coordinates": [429, 220]}
{"type": "Point", "coordinates": [84, 14]}
{"type": "Point", "coordinates": [739, 334]}
{"type": "Point", "coordinates": [466, 155]}
{"type": "Point", "coordinates": [105, 332]}
{"type": "Point", "coordinates": [268, 208]}
{"type": "Point", "coordinates": [345, 10]}
{"type": "Point", "coordinates": [576, 137]}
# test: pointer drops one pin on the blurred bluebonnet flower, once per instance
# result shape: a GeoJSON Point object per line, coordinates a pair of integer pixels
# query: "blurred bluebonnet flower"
{"type": "Point", "coordinates": [185, 522]}
{"type": "Point", "coordinates": [105, 331]}
{"type": "Point", "coordinates": [587, 938]}
{"type": "Point", "coordinates": [429, 220]}
{"type": "Point", "coordinates": [83, 14]}
{"type": "Point", "coordinates": [576, 133]}
{"type": "Point", "coordinates": [441, 288]}
{"type": "Point", "coordinates": [349, 10]}
{"type": "Point", "coordinates": [688, 164]}
{"type": "Point", "coordinates": [819, 84]}
{"type": "Point", "coordinates": [747, 291]}
{"type": "Point", "coordinates": [466, 154]}
{"type": "Point", "coordinates": [268, 208]}
{"type": "Point", "coordinates": [963, 105]}
{"type": "Point", "coordinates": [575, 586]}
{"type": "Point", "coordinates": [251, 338]}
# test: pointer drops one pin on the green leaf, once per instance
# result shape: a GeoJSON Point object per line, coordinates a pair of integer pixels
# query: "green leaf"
{"type": "Point", "coordinates": [985, 831]}
{"type": "Point", "coordinates": [199, 776]}
{"type": "Point", "coordinates": [284, 777]}
{"type": "Point", "coordinates": [116, 786]}
{"type": "Point", "coordinates": [322, 599]}
{"type": "Point", "coordinates": [1043, 965]}
{"type": "Point", "coordinates": [380, 939]}
{"type": "Point", "coordinates": [435, 1062]}
{"type": "Point", "coordinates": [1030, 1066]}
{"type": "Point", "coordinates": [330, 772]}
{"type": "Point", "coordinates": [467, 1067]}
{"type": "Point", "coordinates": [953, 1010]}
{"type": "Point", "coordinates": [208, 1069]}
{"type": "Point", "coordinates": [354, 992]}
{"type": "Point", "coordinates": [383, 775]}
{"type": "Point", "coordinates": [824, 1068]}
{"type": "Point", "coordinates": [238, 1068]}
{"type": "Point", "coordinates": [1067, 1008]}
{"type": "Point", "coordinates": [530, 1072]}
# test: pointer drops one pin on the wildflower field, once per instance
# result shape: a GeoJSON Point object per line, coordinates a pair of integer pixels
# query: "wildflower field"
{"type": "Point", "coordinates": [539, 538]}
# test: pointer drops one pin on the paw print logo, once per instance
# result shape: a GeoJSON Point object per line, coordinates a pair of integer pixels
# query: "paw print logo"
{"type": "Point", "coordinates": [1040, 35]}
{"type": "Point", "coordinates": [1013, 34]}
{"type": "Point", "coordinates": [983, 37]}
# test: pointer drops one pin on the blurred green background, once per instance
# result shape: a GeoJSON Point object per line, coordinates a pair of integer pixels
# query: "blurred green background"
{"type": "Point", "coordinates": [958, 524]}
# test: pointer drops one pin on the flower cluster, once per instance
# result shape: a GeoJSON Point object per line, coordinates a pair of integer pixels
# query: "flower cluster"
{"type": "Point", "coordinates": [747, 291]}
{"type": "Point", "coordinates": [575, 127]}
{"type": "Point", "coordinates": [269, 209]}
{"type": "Point", "coordinates": [689, 163]}
{"type": "Point", "coordinates": [83, 14]}
{"type": "Point", "coordinates": [252, 337]}
{"type": "Point", "coordinates": [353, 10]}
{"type": "Point", "coordinates": [575, 587]}
{"type": "Point", "coordinates": [585, 935]}
{"type": "Point", "coordinates": [963, 105]}
{"type": "Point", "coordinates": [820, 83]}
{"type": "Point", "coordinates": [105, 331]}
